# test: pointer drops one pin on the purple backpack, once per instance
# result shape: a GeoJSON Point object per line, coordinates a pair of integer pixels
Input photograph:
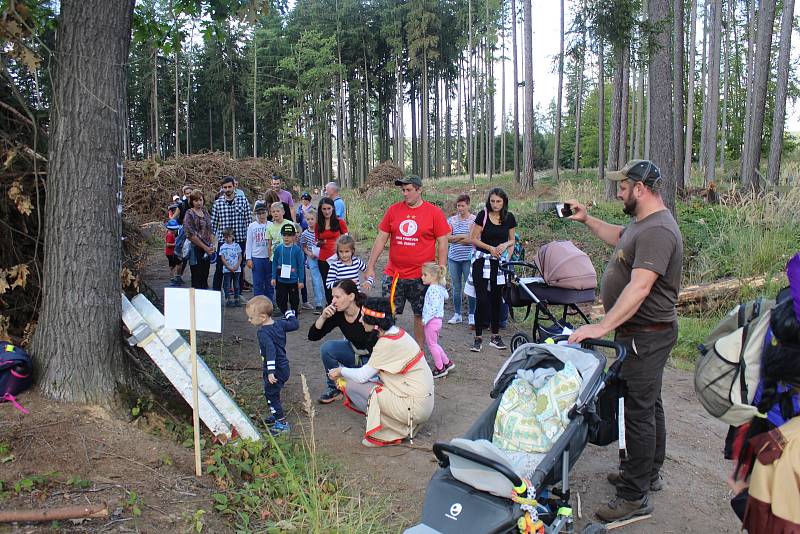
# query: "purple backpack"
{"type": "Point", "coordinates": [15, 373]}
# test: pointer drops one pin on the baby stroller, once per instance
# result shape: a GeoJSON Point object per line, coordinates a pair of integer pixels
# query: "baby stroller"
{"type": "Point", "coordinates": [475, 491]}
{"type": "Point", "coordinates": [563, 275]}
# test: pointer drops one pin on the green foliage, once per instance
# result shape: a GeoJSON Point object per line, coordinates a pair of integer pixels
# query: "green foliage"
{"type": "Point", "coordinates": [272, 486]}
{"type": "Point", "coordinates": [134, 503]}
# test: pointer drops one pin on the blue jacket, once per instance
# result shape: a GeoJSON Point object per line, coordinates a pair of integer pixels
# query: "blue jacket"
{"type": "Point", "coordinates": [272, 344]}
{"type": "Point", "coordinates": [292, 256]}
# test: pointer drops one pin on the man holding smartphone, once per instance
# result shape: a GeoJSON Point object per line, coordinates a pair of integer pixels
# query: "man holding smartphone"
{"type": "Point", "coordinates": [639, 290]}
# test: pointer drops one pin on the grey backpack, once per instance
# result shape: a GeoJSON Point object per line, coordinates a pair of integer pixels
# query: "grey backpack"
{"type": "Point", "coordinates": [728, 370]}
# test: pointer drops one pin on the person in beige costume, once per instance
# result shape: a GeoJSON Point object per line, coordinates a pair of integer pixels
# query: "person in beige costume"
{"type": "Point", "coordinates": [395, 389]}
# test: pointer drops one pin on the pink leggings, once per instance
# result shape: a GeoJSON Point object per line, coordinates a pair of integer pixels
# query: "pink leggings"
{"type": "Point", "coordinates": [432, 339]}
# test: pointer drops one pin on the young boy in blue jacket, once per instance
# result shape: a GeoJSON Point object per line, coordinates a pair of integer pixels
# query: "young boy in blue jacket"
{"type": "Point", "coordinates": [272, 345]}
{"type": "Point", "coordinates": [288, 269]}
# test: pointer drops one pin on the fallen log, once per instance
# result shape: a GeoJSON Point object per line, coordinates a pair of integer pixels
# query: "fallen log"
{"type": "Point", "coordinates": [700, 296]}
{"type": "Point", "coordinates": [54, 514]}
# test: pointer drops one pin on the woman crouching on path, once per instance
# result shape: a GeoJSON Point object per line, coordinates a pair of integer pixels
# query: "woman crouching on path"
{"type": "Point", "coordinates": [354, 350]}
{"type": "Point", "coordinates": [395, 389]}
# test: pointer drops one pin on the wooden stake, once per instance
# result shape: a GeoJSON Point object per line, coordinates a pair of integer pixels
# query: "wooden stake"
{"type": "Point", "coordinates": [198, 470]}
{"type": "Point", "coordinates": [54, 514]}
{"type": "Point", "coordinates": [619, 524]}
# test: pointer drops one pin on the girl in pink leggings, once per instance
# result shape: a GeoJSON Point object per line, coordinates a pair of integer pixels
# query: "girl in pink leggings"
{"type": "Point", "coordinates": [433, 276]}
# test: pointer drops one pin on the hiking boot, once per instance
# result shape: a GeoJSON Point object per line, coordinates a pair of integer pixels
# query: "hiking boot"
{"type": "Point", "coordinates": [440, 373]}
{"type": "Point", "coordinates": [497, 343]}
{"type": "Point", "coordinates": [477, 345]}
{"type": "Point", "coordinates": [657, 484]}
{"type": "Point", "coordinates": [455, 319]}
{"type": "Point", "coordinates": [330, 396]}
{"type": "Point", "coordinates": [619, 509]}
{"type": "Point", "coordinates": [280, 427]}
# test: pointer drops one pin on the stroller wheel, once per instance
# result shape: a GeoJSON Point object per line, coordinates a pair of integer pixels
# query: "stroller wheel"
{"type": "Point", "coordinates": [519, 339]}
{"type": "Point", "coordinates": [594, 528]}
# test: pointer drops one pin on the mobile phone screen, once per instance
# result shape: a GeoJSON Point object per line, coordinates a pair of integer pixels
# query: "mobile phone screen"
{"type": "Point", "coordinates": [563, 210]}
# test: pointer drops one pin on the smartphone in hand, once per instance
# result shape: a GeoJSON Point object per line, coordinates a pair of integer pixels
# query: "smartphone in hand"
{"type": "Point", "coordinates": [563, 210]}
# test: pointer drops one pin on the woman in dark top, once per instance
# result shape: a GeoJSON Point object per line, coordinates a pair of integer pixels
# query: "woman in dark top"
{"type": "Point", "coordinates": [493, 237]}
{"type": "Point", "coordinates": [352, 351]}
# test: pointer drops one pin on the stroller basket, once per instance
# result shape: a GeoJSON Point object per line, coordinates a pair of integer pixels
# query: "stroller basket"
{"type": "Point", "coordinates": [452, 502]}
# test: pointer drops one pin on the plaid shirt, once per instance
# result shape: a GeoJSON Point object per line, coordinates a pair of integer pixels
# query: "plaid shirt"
{"type": "Point", "coordinates": [234, 215]}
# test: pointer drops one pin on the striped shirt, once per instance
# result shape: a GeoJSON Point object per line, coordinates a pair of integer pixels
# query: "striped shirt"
{"type": "Point", "coordinates": [307, 240]}
{"type": "Point", "coordinates": [340, 271]}
{"type": "Point", "coordinates": [459, 226]}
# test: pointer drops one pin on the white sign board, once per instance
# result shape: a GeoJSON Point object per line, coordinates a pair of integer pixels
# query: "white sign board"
{"type": "Point", "coordinates": [207, 306]}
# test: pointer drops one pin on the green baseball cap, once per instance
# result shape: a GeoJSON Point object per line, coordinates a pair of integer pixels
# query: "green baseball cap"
{"type": "Point", "coordinates": [637, 170]}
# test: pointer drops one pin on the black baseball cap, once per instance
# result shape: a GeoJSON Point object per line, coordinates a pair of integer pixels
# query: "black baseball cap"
{"type": "Point", "coordinates": [288, 229]}
{"type": "Point", "coordinates": [306, 195]}
{"type": "Point", "coordinates": [413, 180]}
{"type": "Point", "coordinates": [637, 170]}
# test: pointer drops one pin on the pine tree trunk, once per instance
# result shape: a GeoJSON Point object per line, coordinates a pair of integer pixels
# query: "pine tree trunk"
{"type": "Point", "coordinates": [689, 143]}
{"type": "Point", "coordinates": [528, 139]}
{"type": "Point", "coordinates": [623, 119]}
{"type": "Point", "coordinates": [414, 155]}
{"type": "Point", "coordinates": [677, 91]}
{"type": "Point", "coordinates": [601, 112]}
{"type": "Point", "coordinates": [424, 117]}
{"type": "Point", "coordinates": [78, 344]}
{"type": "Point", "coordinates": [503, 100]}
{"type": "Point", "coordinates": [779, 115]}
{"type": "Point", "coordinates": [640, 120]}
{"type": "Point", "coordinates": [712, 111]}
{"type": "Point", "coordinates": [751, 41]}
{"type": "Point", "coordinates": [576, 161]}
{"type": "Point", "coordinates": [490, 92]}
{"type": "Point", "coordinates": [156, 136]}
{"type": "Point", "coordinates": [726, 91]}
{"type": "Point", "coordinates": [612, 156]}
{"type": "Point", "coordinates": [751, 157]}
{"type": "Point", "coordinates": [400, 142]}
{"type": "Point", "coordinates": [703, 91]}
{"type": "Point", "coordinates": [177, 109]}
{"type": "Point", "coordinates": [448, 132]}
{"type": "Point", "coordinates": [255, 98]}
{"type": "Point", "coordinates": [660, 69]}
{"type": "Point", "coordinates": [557, 133]}
{"type": "Point", "coordinates": [516, 90]}
{"type": "Point", "coordinates": [459, 122]}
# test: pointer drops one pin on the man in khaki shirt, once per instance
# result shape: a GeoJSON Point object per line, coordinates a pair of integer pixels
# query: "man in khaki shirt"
{"type": "Point", "coordinates": [639, 290]}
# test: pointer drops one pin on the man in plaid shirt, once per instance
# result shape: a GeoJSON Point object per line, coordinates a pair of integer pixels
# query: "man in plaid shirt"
{"type": "Point", "coordinates": [229, 211]}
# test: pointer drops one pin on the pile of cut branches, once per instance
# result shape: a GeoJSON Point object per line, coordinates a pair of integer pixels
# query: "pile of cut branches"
{"type": "Point", "coordinates": [382, 175]}
{"type": "Point", "coordinates": [150, 184]}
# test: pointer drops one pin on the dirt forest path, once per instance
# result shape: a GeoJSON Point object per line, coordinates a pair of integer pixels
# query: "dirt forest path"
{"type": "Point", "coordinates": [695, 497]}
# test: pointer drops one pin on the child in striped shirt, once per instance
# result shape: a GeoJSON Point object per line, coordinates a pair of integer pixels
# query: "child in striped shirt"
{"type": "Point", "coordinates": [308, 244]}
{"type": "Point", "coordinates": [347, 266]}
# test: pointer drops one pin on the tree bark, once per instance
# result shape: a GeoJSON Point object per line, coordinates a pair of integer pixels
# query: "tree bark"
{"type": "Point", "coordinates": [612, 156]}
{"type": "Point", "coordinates": [527, 40]}
{"type": "Point", "coordinates": [503, 100]}
{"type": "Point", "coordinates": [677, 90]}
{"type": "Point", "coordinates": [255, 97]}
{"type": "Point", "coordinates": [601, 111]}
{"type": "Point", "coordinates": [78, 344]}
{"type": "Point", "coordinates": [177, 109]}
{"type": "Point", "coordinates": [687, 154]}
{"type": "Point", "coordinates": [661, 150]}
{"type": "Point", "coordinates": [711, 113]}
{"type": "Point", "coordinates": [748, 104]}
{"type": "Point", "coordinates": [516, 90]}
{"type": "Point", "coordinates": [424, 117]}
{"type": "Point", "coordinates": [623, 119]}
{"type": "Point", "coordinates": [723, 142]}
{"type": "Point", "coordinates": [414, 155]}
{"type": "Point", "coordinates": [703, 91]}
{"type": "Point", "coordinates": [576, 162]}
{"type": "Point", "coordinates": [557, 135]}
{"type": "Point", "coordinates": [751, 157]}
{"type": "Point", "coordinates": [779, 115]}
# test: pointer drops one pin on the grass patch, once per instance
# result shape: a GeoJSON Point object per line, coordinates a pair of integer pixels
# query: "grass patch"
{"type": "Point", "coordinates": [692, 331]}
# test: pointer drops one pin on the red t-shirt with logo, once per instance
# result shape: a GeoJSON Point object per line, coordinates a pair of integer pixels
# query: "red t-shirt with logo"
{"type": "Point", "coordinates": [412, 237]}
{"type": "Point", "coordinates": [328, 246]}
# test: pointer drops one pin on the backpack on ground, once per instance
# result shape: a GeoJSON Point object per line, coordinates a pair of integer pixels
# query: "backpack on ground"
{"type": "Point", "coordinates": [562, 264]}
{"type": "Point", "coordinates": [728, 370]}
{"type": "Point", "coordinates": [16, 372]}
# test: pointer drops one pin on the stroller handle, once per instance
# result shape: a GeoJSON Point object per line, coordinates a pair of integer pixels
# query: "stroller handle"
{"type": "Point", "coordinates": [506, 265]}
{"type": "Point", "coordinates": [441, 450]}
{"type": "Point", "coordinates": [619, 350]}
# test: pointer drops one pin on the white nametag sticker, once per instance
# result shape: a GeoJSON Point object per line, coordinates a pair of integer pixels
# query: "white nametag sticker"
{"type": "Point", "coordinates": [286, 271]}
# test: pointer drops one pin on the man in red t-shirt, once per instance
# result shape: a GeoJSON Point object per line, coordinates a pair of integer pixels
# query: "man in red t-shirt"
{"type": "Point", "coordinates": [413, 229]}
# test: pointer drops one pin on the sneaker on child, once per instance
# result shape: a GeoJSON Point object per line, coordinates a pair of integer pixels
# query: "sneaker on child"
{"type": "Point", "coordinates": [471, 319]}
{"type": "Point", "coordinates": [280, 427]}
{"type": "Point", "coordinates": [477, 344]}
{"type": "Point", "coordinates": [455, 319]}
{"type": "Point", "coordinates": [497, 343]}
